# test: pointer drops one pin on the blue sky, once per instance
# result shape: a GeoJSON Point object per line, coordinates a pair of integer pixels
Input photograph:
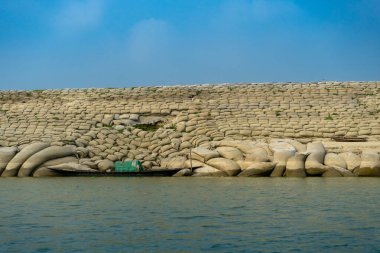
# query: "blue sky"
{"type": "Point", "coordinates": [120, 43]}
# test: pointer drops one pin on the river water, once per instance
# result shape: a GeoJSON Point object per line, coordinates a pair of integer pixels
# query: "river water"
{"type": "Point", "coordinates": [190, 215]}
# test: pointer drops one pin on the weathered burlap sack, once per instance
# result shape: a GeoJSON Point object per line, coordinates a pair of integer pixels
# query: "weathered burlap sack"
{"type": "Point", "coordinates": [6, 155]}
{"type": "Point", "coordinates": [352, 160]}
{"type": "Point", "coordinates": [72, 167]}
{"type": "Point", "coordinates": [81, 152]}
{"type": "Point", "coordinates": [278, 170]}
{"type": "Point", "coordinates": [370, 165]}
{"type": "Point", "coordinates": [208, 171]}
{"type": "Point", "coordinates": [300, 147]}
{"type": "Point", "coordinates": [295, 166]}
{"type": "Point", "coordinates": [228, 166]}
{"type": "Point", "coordinates": [105, 165]}
{"type": "Point", "coordinates": [29, 150]}
{"type": "Point", "coordinates": [314, 162]}
{"type": "Point", "coordinates": [174, 162]}
{"type": "Point", "coordinates": [194, 164]}
{"type": "Point", "coordinates": [230, 153]}
{"type": "Point", "coordinates": [332, 159]}
{"type": "Point", "coordinates": [203, 154]}
{"type": "Point", "coordinates": [42, 156]}
{"type": "Point", "coordinates": [257, 154]}
{"type": "Point", "coordinates": [44, 171]}
{"type": "Point", "coordinates": [258, 169]}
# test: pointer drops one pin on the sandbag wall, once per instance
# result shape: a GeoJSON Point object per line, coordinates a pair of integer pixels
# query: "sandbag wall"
{"type": "Point", "coordinates": [284, 158]}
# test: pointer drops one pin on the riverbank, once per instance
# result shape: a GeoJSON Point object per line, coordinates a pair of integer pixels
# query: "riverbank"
{"type": "Point", "coordinates": [159, 125]}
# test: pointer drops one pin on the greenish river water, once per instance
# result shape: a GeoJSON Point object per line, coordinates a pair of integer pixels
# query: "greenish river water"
{"type": "Point", "coordinates": [190, 215]}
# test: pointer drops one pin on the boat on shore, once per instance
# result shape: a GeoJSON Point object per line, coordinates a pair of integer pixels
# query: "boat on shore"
{"type": "Point", "coordinates": [158, 172]}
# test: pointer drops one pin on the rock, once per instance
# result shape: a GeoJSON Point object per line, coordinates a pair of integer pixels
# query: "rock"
{"type": "Point", "coordinates": [183, 173]}
{"type": "Point", "coordinates": [231, 168]}
{"type": "Point", "coordinates": [230, 153]}
{"type": "Point", "coordinates": [295, 166]}
{"type": "Point", "coordinates": [42, 156]}
{"type": "Point", "coordinates": [6, 155]}
{"type": "Point", "coordinates": [203, 154]}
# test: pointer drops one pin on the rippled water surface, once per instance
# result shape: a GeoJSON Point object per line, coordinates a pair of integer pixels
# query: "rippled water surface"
{"type": "Point", "coordinates": [190, 215]}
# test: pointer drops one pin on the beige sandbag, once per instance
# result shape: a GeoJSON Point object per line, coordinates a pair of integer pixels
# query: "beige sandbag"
{"type": "Point", "coordinates": [81, 152]}
{"type": "Point", "coordinates": [183, 173]}
{"type": "Point", "coordinates": [208, 171]}
{"type": "Point", "coordinates": [295, 166]}
{"type": "Point", "coordinates": [370, 165]}
{"type": "Point", "coordinates": [314, 163]}
{"type": "Point", "coordinates": [16, 162]}
{"type": "Point", "coordinates": [278, 170]}
{"type": "Point", "coordinates": [257, 154]}
{"type": "Point", "coordinates": [42, 156]}
{"type": "Point", "coordinates": [228, 166]}
{"type": "Point", "coordinates": [44, 171]}
{"type": "Point", "coordinates": [6, 155]}
{"type": "Point", "coordinates": [245, 164]}
{"type": "Point", "coordinates": [177, 162]}
{"type": "Point", "coordinates": [352, 160]}
{"type": "Point", "coordinates": [75, 167]}
{"type": "Point", "coordinates": [258, 169]}
{"type": "Point", "coordinates": [331, 172]}
{"type": "Point", "coordinates": [300, 147]}
{"type": "Point", "coordinates": [105, 165]}
{"type": "Point", "coordinates": [203, 154]}
{"type": "Point", "coordinates": [332, 159]}
{"type": "Point", "coordinates": [193, 163]}
{"type": "Point", "coordinates": [230, 153]}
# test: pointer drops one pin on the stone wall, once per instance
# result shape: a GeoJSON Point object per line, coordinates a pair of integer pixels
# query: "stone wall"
{"type": "Point", "coordinates": [155, 123]}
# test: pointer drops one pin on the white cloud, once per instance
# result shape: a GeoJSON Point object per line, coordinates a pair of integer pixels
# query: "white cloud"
{"type": "Point", "coordinates": [79, 15]}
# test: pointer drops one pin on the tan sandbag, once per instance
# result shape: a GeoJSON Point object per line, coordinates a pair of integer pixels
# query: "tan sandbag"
{"type": "Point", "coordinates": [295, 166]}
{"type": "Point", "coordinates": [183, 173]}
{"type": "Point", "coordinates": [44, 171]}
{"type": "Point", "coordinates": [314, 163]}
{"type": "Point", "coordinates": [352, 160]}
{"type": "Point", "coordinates": [75, 167]}
{"type": "Point", "coordinates": [105, 165]}
{"type": "Point", "coordinates": [203, 154]}
{"type": "Point", "coordinates": [300, 147]}
{"type": "Point", "coordinates": [332, 159]}
{"type": "Point", "coordinates": [42, 156]}
{"type": "Point", "coordinates": [231, 168]}
{"type": "Point", "coordinates": [280, 157]}
{"type": "Point", "coordinates": [370, 165]}
{"type": "Point", "coordinates": [257, 154]}
{"type": "Point", "coordinates": [343, 172]}
{"type": "Point", "coordinates": [245, 164]}
{"type": "Point", "coordinates": [193, 163]}
{"type": "Point", "coordinates": [177, 162]}
{"type": "Point", "coordinates": [258, 169]}
{"type": "Point", "coordinates": [208, 171]}
{"type": "Point", "coordinates": [230, 153]}
{"type": "Point", "coordinates": [88, 162]}
{"type": "Point", "coordinates": [81, 152]}
{"type": "Point", "coordinates": [331, 172]}
{"type": "Point", "coordinates": [29, 150]}
{"type": "Point", "coordinates": [278, 170]}
{"type": "Point", "coordinates": [6, 155]}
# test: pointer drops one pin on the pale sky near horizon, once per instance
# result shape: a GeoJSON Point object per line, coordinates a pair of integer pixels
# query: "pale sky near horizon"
{"type": "Point", "coordinates": [51, 44]}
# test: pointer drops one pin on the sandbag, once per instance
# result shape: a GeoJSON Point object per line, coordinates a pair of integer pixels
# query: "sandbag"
{"type": "Point", "coordinates": [278, 170]}
{"type": "Point", "coordinates": [370, 165]}
{"type": "Point", "coordinates": [258, 169]}
{"type": "Point", "coordinates": [42, 156]}
{"type": "Point", "coordinates": [231, 168]}
{"type": "Point", "coordinates": [44, 171]}
{"type": "Point", "coordinates": [208, 171]}
{"type": "Point", "coordinates": [81, 152]}
{"type": "Point", "coordinates": [245, 164]}
{"type": "Point", "coordinates": [203, 154]}
{"type": "Point", "coordinates": [300, 147]}
{"type": "Point", "coordinates": [332, 159]}
{"type": "Point", "coordinates": [177, 162]}
{"type": "Point", "coordinates": [105, 165]}
{"type": "Point", "coordinates": [183, 173]}
{"type": "Point", "coordinates": [75, 167]}
{"type": "Point", "coordinates": [257, 154]}
{"type": "Point", "coordinates": [352, 160]}
{"type": "Point", "coordinates": [230, 153]}
{"type": "Point", "coordinates": [17, 161]}
{"type": "Point", "coordinates": [193, 164]}
{"type": "Point", "coordinates": [295, 166]}
{"type": "Point", "coordinates": [314, 163]}
{"type": "Point", "coordinates": [331, 172]}
{"type": "Point", "coordinates": [6, 155]}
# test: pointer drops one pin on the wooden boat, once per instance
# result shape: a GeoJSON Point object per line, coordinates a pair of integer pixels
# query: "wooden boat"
{"type": "Point", "coordinates": [349, 139]}
{"type": "Point", "coordinates": [159, 172]}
